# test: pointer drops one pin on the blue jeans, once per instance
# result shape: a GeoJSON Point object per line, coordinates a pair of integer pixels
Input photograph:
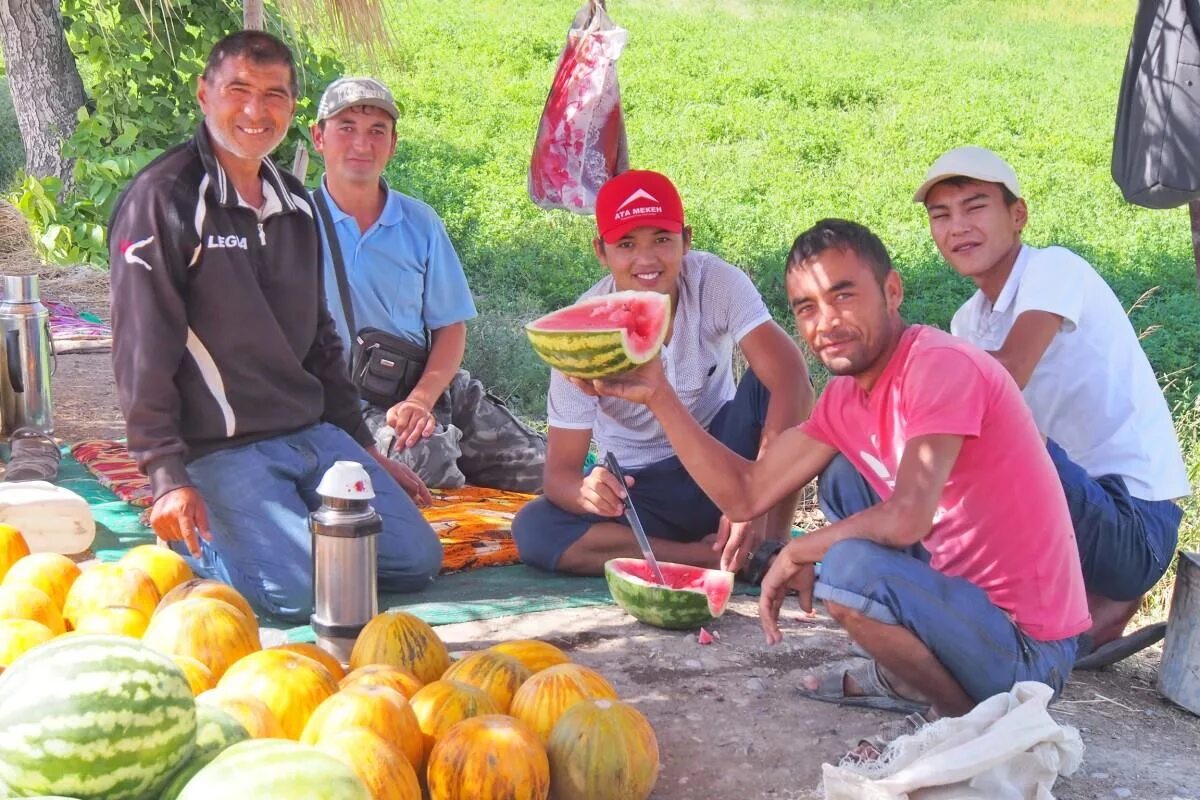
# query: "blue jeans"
{"type": "Point", "coordinates": [669, 503]}
{"type": "Point", "coordinates": [973, 639]}
{"type": "Point", "coordinates": [258, 497]}
{"type": "Point", "coordinates": [1125, 543]}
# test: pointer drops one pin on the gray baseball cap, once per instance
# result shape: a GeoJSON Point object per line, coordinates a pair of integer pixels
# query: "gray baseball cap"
{"type": "Point", "coordinates": [349, 92]}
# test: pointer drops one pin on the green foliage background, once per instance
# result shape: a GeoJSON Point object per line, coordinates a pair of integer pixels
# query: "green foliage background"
{"type": "Point", "coordinates": [772, 114]}
{"type": "Point", "coordinates": [139, 68]}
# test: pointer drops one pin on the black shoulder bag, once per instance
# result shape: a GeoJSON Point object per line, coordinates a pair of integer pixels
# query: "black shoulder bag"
{"type": "Point", "coordinates": [383, 366]}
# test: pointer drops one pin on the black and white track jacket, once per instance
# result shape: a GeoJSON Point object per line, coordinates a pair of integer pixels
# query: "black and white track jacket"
{"type": "Point", "coordinates": [221, 336]}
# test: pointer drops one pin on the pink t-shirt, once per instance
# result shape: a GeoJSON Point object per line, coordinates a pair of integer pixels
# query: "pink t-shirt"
{"type": "Point", "coordinates": [1002, 522]}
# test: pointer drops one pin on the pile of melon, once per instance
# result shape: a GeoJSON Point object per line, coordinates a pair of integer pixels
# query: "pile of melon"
{"type": "Point", "coordinates": [137, 681]}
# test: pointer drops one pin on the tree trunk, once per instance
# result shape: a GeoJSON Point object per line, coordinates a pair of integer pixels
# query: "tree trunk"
{"type": "Point", "coordinates": [1194, 212]}
{"type": "Point", "coordinates": [46, 88]}
{"type": "Point", "coordinates": [252, 15]}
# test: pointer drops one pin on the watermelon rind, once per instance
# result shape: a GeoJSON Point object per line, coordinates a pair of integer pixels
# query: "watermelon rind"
{"type": "Point", "coordinates": [662, 606]}
{"type": "Point", "coordinates": [598, 352]}
{"type": "Point", "coordinates": [215, 732]}
{"type": "Point", "coordinates": [275, 769]}
{"type": "Point", "coordinates": [91, 717]}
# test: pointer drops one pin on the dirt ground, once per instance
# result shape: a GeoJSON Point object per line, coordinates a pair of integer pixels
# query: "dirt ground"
{"type": "Point", "coordinates": [727, 716]}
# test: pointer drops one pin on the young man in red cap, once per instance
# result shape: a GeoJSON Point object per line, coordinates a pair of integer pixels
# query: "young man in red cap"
{"type": "Point", "coordinates": [578, 525]}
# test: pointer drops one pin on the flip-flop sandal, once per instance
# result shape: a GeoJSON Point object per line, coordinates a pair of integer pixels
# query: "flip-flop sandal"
{"type": "Point", "coordinates": [876, 693]}
{"type": "Point", "coordinates": [35, 456]}
{"type": "Point", "coordinates": [1122, 648]}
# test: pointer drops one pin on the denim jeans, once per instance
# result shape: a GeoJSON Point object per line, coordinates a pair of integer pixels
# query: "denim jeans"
{"type": "Point", "coordinates": [1125, 543]}
{"type": "Point", "coordinates": [973, 639]}
{"type": "Point", "coordinates": [258, 497]}
{"type": "Point", "coordinates": [669, 503]}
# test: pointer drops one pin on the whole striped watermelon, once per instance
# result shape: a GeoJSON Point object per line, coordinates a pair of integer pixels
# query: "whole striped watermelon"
{"type": "Point", "coordinates": [215, 732]}
{"type": "Point", "coordinates": [91, 717]}
{"type": "Point", "coordinates": [275, 769]}
{"type": "Point", "coordinates": [692, 596]}
{"type": "Point", "coordinates": [603, 336]}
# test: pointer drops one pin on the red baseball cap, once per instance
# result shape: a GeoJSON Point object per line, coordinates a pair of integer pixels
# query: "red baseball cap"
{"type": "Point", "coordinates": [637, 199]}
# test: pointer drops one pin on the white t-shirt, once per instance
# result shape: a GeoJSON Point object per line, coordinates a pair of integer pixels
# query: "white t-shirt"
{"type": "Point", "coordinates": [1094, 391]}
{"type": "Point", "coordinates": [718, 305]}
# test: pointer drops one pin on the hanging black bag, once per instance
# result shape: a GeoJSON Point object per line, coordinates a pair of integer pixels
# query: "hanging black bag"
{"type": "Point", "coordinates": [1156, 144]}
{"type": "Point", "coordinates": [384, 367]}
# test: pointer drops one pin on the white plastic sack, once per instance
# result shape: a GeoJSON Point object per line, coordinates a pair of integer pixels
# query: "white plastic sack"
{"type": "Point", "coordinates": [1007, 748]}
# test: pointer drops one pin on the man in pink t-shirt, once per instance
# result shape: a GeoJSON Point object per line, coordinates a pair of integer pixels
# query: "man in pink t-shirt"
{"type": "Point", "coordinates": [965, 578]}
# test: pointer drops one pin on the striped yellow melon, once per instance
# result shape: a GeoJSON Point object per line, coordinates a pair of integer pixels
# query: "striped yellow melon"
{"type": "Point", "coordinates": [401, 680]}
{"type": "Point", "coordinates": [379, 764]}
{"type": "Point", "coordinates": [199, 677]}
{"type": "Point", "coordinates": [104, 585]}
{"type": "Point", "coordinates": [464, 764]}
{"type": "Point", "coordinates": [53, 573]}
{"type": "Point", "coordinates": [258, 720]}
{"type": "Point", "coordinates": [495, 673]}
{"type": "Point", "coordinates": [401, 640]}
{"type": "Point", "coordinates": [204, 587]}
{"type": "Point", "coordinates": [18, 601]}
{"type": "Point", "coordinates": [13, 548]}
{"type": "Point", "coordinates": [442, 704]}
{"type": "Point", "coordinates": [602, 750]}
{"type": "Point", "coordinates": [376, 708]}
{"type": "Point", "coordinates": [211, 631]}
{"type": "Point", "coordinates": [291, 685]}
{"type": "Point", "coordinates": [545, 697]}
{"type": "Point", "coordinates": [18, 636]}
{"type": "Point", "coordinates": [534, 654]}
{"type": "Point", "coordinates": [602, 336]}
{"type": "Point", "coordinates": [321, 656]}
{"type": "Point", "coordinates": [116, 620]}
{"type": "Point", "coordinates": [164, 566]}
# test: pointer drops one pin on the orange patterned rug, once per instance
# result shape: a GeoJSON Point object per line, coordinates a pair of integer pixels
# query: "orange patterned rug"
{"type": "Point", "coordinates": [473, 523]}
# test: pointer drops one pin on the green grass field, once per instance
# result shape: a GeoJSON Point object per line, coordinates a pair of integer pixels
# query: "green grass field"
{"type": "Point", "coordinates": [771, 115]}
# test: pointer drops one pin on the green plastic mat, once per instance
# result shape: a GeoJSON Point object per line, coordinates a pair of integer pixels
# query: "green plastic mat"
{"type": "Point", "coordinates": [118, 524]}
{"type": "Point", "coordinates": [462, 597]}
{"type": "Point", "coordinates": [486, 594]}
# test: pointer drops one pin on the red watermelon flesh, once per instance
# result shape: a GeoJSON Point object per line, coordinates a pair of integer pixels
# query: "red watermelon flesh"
{"type": "Point", "coordinates": [691, 596]}
{"type": "Point", "coordinates": [604, 335]}
{"type": "Point", "coordinates": [640, 317]}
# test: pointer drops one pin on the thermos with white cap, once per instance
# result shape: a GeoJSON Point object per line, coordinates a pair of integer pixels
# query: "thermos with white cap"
{"type": "Point", "coordinates": [25, 339]}
{"type": "Point", "coordinates": [344, 558]}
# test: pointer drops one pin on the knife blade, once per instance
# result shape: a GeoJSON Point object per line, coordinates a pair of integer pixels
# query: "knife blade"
{"type": "Point", "coordinates": [639, 533]}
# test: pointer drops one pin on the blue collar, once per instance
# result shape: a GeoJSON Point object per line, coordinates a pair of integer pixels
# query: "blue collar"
{"type": "Point", "coordinates": [393, 209]}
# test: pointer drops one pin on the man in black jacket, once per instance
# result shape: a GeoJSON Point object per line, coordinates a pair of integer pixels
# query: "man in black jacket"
{"type": "Point", "coordinates": [228, 366]}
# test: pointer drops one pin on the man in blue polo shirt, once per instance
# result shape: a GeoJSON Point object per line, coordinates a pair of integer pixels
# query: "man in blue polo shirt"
{"type": "Point", "coordinates": [403, 277]}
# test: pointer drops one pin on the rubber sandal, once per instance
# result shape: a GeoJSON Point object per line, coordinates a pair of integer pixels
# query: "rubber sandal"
{"type": "Point", "coordinates": [876, 693]}
{"type": "Point", "coordinates": [756, 568]}
{"type": "Point", "coordinates": [1121, 648]}
{"type": "Point", "coordinates": [34, 456]}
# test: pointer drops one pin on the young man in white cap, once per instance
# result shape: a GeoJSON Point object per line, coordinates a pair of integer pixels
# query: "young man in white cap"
{"type": "Point", "coordinates": [1063, 335]}
{"type": "Point", "coordinates": [400, 275]}
{"type": "Point", "coordinates": [644, 244]}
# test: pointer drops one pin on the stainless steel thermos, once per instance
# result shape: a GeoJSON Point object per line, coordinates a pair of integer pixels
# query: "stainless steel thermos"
{"type": "Point", "coordinates": [344, 531]}
{"type": "Point", "coordinates": [26, 365]}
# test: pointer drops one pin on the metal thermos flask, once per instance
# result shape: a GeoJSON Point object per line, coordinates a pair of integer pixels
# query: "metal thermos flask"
{"type": "Point", "coordinates": [344, 558]}
{"type": "Point", "coordinates": [25, 338]}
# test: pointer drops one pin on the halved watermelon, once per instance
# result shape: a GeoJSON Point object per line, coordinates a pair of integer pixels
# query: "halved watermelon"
{"type": "Point", "coordinates": [692, 596]}
{"type": "Point", "coordinates": [604, 335]}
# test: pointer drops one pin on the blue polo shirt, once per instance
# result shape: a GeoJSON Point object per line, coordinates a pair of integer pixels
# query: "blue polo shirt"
{"type": "Point", "coordinates": [403, 273]}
